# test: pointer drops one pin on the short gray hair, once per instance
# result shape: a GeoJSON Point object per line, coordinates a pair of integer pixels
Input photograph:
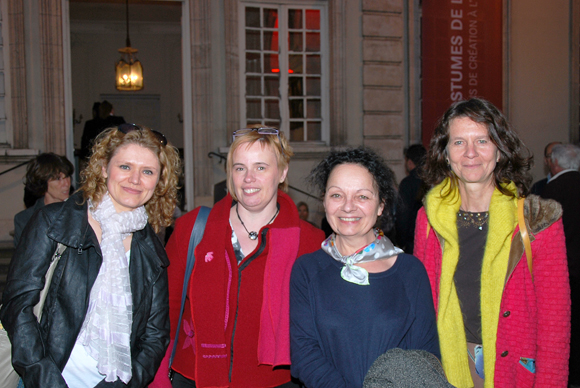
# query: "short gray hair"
{"type": "Point", "coordinates": [567, 156]}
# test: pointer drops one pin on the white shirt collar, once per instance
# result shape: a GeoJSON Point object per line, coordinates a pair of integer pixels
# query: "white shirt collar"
{"type": "Point", "coordinates": [561, 173]}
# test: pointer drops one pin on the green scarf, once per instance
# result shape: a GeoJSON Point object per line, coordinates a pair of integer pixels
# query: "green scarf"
{"type": "Point", "coordinates": [442, 214]}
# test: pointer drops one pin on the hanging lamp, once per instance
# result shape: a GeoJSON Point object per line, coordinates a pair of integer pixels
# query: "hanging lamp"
{"type": "Point", "coordinates": [128, 69]}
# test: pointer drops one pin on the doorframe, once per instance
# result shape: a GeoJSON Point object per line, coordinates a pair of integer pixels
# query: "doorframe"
{"type": "Point", "coordinates": [187, 97]}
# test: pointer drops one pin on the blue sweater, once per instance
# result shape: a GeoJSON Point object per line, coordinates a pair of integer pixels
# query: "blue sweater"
{"type": "Point", "coordinates": [338, 329]}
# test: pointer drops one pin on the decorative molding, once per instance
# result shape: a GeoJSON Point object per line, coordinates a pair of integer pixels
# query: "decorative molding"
{"type": "Point", "coordinates": [232, 49]}
{"type": "Point", "coordinates": [201, 84]}
{"type": "Point", "coordinates": [51, 50]}
{"type": "Point", "coordinates": [337, 71]}
{"type": "Point", "coordinates": [19, 102]}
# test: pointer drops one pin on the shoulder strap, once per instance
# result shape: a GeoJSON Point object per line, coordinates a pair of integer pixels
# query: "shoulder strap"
{"type": "Point", "coordinates": [196, 235]}
{"type": "Point", "coordinates": [37, 309]}
{"type": "Point", "coordinates": [524, 234]}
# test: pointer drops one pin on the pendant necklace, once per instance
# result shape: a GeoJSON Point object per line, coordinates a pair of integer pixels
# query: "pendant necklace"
{"type": "Point", "coordinates": [253, 235]}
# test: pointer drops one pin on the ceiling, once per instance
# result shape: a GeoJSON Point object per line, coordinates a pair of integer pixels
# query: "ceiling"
{"type": "Point", "coordinates": [115, 10]}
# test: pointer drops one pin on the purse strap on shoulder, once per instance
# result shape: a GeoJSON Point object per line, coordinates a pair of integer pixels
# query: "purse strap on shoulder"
{"type": "Point", "coordinates": [195, 238]}
{"type": "Point", "coordinates": [524, 234]}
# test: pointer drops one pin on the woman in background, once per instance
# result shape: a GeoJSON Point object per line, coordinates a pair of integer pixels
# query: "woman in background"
{"type": "Point", "coordinates": [105, 322]}
{"type": "Point", "coordinates": [48, 178]}
{"type": "Point", "coordinates": [499, 324]}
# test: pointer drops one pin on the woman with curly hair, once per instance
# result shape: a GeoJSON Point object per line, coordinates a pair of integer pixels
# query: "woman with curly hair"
{"type": "Point", "coordinates": [105, 320]}
{"type": "Point", "coordinates": [359, 295]}
{"type": "Point", "coordinates": [503, 316]}
{"type": "Point", "coordinates": [47, 181]}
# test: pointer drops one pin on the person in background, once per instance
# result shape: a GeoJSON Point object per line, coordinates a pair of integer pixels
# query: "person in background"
{"type": "Point", "coordinates": [500, 324]}
{"type": "Point", "coordinates": [91, 128]}
{"type": "Point", "coordinates": [358, 296]}
{"type": "Point", "coordinates": [539, 185]}
{"type": "Point", "coordinates": [106, 119]}
{"type": "Point", "coordinates": [564, 187]}
{"type": "Point", "coordinates": [411, 194]}
{"type": "Point", "coordinates": [303, 212]}
{"type": "Point", "coordinates": [106, 315]}
{"type": "Point", "coordinates": [48, 178]}
{"type": "Point", "coordinates": [236, 324]}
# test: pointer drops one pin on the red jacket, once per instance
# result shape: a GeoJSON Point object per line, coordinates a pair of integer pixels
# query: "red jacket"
{"type": "Point", "coordinates": [535, 315]}
{"type": "Point", "coordinates": [229, 302]}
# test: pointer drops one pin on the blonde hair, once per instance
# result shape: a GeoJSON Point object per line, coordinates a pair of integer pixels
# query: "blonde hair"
{"type": "Point", "coordinates": [281, 149]}
{"type": "Point", "coordinates": [162, 204]}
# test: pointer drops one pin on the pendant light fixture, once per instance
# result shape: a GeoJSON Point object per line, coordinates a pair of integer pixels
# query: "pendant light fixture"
{"type": "Point", "coordinates": [128, 69]}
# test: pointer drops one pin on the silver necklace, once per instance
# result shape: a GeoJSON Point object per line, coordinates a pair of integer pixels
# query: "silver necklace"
{"type": "Point", "coordinates": [253, 235]}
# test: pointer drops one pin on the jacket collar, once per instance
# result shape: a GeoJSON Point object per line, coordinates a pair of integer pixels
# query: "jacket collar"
{"type": "Point", "coordinates": [70, 227]}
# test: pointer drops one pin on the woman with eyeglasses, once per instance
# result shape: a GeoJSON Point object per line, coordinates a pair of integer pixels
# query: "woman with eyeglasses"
{"type": "Point", "coordinates": [235, 327]}
{"type": "Point", "coordinates": [105, 321]}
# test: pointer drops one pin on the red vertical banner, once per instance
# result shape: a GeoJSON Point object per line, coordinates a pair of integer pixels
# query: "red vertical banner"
{"type": "Point", "coordinates": [461, 55]}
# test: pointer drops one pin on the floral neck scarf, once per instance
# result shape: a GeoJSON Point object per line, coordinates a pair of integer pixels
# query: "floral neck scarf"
{"type": "Point", "coordinates": [381, 248]}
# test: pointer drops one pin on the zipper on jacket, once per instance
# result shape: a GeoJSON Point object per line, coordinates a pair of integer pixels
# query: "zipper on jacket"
{"type": "Point", "coordinates": [240, 269]}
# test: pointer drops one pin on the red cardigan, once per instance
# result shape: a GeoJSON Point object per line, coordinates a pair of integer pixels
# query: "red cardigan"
{"type": "Point", "coordinates": [250, 299]}
{"type": "Point", "coordinates": [535, 315]}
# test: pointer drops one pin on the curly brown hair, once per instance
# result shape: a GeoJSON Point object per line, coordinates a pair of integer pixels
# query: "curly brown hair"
{"type": "Point", "coordinates": [281, 149]}
{"type": "Point", "coordinates": [162, 204]}
{"type": "Point", "coordinates": [515, 159]}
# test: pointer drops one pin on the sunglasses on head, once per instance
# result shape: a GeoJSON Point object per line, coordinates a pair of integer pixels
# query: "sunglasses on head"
{"type": "Point", "coordinates": [261, 131]}
{"type": "Point", "coordinates": [128, 127]}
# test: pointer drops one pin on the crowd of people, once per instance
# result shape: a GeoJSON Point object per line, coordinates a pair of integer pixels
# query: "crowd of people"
{"type": "Point", "coordinates": [463, 275]}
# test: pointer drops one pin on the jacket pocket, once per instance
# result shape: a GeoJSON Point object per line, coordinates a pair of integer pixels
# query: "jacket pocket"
{"type": "Point", "coordinates": [525, 373]}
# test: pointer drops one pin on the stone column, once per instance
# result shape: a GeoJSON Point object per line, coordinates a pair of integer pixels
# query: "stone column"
{"type": "Point", "coordinates": [51, 41]}
{"type": "Point", "coordinates": [15, 21]}
{"type": "Point", "coordinates": [201, 77]}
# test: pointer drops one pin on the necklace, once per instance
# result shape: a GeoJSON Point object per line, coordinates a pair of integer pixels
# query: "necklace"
{"type": "Point", "coordinates": [467, 219]}
{"type": "Point", "coordinates": [253, 235]}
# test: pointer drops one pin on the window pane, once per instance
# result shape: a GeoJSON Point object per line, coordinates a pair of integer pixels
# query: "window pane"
{"type": "Point", "coordinates": [272, 86]}
{"type": "Point", "coordinates": [271, 41]}
{"type": "Point", "coordinates": [295, 41]}
{"type": "Point", "coordinates": [295, 18]}
{"type": "Point", "coordinates": [295, 86]}
{"type": "Point", "coordinates": [295, 63]}
{"type": "Point", "coordinates": [297, 131]}
{"type": "Point", "coordinates": [252, 40]}
{"type": "Point", "coordinates": [313, 86]}
{"type": "Point", "coordinates": [272, 123]}
{"type": "Point", "coordinates": [270, 18]}
{"type": "Point", "coordinates": [272, 109]}
{"type": "Point", "coordinates": [313, 19]}
{"type": "Point", "coordinates": [253, 63]}
{"type": "Point", "coordinates": [253, 87]}
{"type": "Point", "coordinates": [313, 64]}
{"type": "Point", "coordinates": [296, 109]}
{"type": "Point", "coordinates": [314, 130]}
{"type": "Point", "coordinates": [271, 63]}
{"type": "Point", "coordinates": [253, 109]}
{"type": "Point", "coordinates": [313, 109]}
{"type": "Point", "coordinates": [312, 41]}
{"type": "Point", "coordinates": [252, 17]}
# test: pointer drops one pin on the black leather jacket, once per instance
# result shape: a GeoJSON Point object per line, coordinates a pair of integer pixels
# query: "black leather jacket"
{"type": "Point", "coordinates": [41, 351]}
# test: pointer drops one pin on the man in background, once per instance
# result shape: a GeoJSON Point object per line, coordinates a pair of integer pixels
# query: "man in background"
{"type": "Point", "coordinates": [539, 185]}
{"type": "Point", "coordinates": [411, 194]}
{"type": "Point", "coordinates": [564, 187]}
{"type": "Point", "coordinates": [93, 128]}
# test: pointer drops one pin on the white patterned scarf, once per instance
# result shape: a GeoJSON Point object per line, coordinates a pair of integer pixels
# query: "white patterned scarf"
{"type": "Point", "coordinates": [106, 331]}
{"type": "Point", "coordinates": [381, 248]}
